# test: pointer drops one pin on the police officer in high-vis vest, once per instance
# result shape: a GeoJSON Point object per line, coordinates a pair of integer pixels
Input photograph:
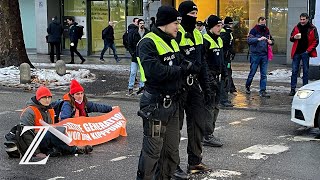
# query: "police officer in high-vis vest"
{"type": "Point", "coordinates": [190, 41]}
{"type": "Point", "coordinates": [228, 42]}
{"type": "Point", "coordinates": [162, 69]}
{"type": "Point", "coordinates": [214, 57]}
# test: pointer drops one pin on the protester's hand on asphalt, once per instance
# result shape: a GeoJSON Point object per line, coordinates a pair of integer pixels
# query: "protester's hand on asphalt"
{"type": "Point", "coordinates": [41, 155]}
{"type": "Point", "coordinates": [114, 107]}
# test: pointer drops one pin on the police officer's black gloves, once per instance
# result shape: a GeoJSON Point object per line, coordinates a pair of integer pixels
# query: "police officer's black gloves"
{"type": "Point", "coordinates": [185, 66]}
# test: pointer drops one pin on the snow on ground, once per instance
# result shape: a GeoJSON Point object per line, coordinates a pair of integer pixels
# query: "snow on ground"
{"type": "Point", "coordinates": [10, 76]}
{"type": "Point", "coordinates": [44, 73]}
{"type": "Point", "coordinates": [278, 75]}
{"type": "Point", "coordinates": [106, 67]}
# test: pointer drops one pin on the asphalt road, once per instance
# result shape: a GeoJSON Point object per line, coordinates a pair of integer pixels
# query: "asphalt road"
{"type": "Point", "coordinates": [257, 145]}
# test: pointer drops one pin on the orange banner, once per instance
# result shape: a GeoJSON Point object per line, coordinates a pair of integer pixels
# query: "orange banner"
{"type": "Point", "coordinates": [95, 130]}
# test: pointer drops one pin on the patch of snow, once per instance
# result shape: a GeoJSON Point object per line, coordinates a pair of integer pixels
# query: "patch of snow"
{"type": "Point", "coordinates": [10, 76]}
{"type": "Point", "coordinates": [224, 173]}
{"type": "Point", "coordinates": [260, 151]}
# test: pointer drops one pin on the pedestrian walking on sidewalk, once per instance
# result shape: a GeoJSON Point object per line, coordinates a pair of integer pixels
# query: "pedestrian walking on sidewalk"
{"type": "Point", "coordinates": [108, 39]}
{"type": "Point", "coordinates": [305, 40]}
{"type": "Point", "coordinates": [74, 37]}
{"type": "Point", "coordinates": [54, 31]}
{"type": "Point", "coordinates": [259, 38]}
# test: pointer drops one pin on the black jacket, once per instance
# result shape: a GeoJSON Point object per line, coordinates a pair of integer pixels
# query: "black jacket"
{"type": "Point", "coordinates": [228, 42]}
{"type": "Point", "coordinates": [73, 34]}
{"type": "Point", "coordinates": [135, 38]}
{"type": "Point", "coordinates": [215, 58]}
{"type": "Point", "coordinates": [161, 77]}
{"type": "Point", "coordinates": [55, 31]}
{"type": "Point", "coordinates": [108, 34]}
{"type": "Point", "coordinates": [132, 29]}
{"type": "Point", "coordinates": [195, 54]}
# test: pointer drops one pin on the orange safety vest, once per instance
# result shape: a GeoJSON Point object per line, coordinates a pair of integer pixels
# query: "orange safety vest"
{"type": "Point", "coordinates": [38, 116]}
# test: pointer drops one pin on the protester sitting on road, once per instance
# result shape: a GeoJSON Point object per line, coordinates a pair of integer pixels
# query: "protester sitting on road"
{"type": "Point", "coordinates": [76, 103]}
{"type": "Point", "coordinates": [38, 108]}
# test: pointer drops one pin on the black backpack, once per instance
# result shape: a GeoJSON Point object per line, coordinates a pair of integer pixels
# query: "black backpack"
{"type": "Point", "coordinates": [79, 29]}
{"type": "Point", "coordinates": [104, 33]}
{"type": "Point", "coordinates": [125, 40]}
{"type": "Point", "coordinates": [15, 144]}
{"type": "Point", "coordinates": [57, 105]}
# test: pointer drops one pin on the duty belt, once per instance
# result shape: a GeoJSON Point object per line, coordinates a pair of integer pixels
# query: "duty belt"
{"type": "Point", "coordinates": [165, 99]}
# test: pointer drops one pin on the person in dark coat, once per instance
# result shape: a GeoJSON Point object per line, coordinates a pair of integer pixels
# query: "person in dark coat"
{"type": "Point", "coordinates": [74, 37]}
{"type": "Point", "coordinates": [108, 38]}
{"type": "Point", "coordinates": [54, 31]}
{"type": "Point", "coordinates": [137, 34]}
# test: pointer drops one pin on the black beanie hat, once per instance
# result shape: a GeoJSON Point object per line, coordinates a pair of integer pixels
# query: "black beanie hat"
{"type": "Point", "coordinates": [212, 21]}
{"type": "Point", "coordinates": [228, 20]}
{"type": "Point", "coordinates": [186, 7]}
{"type": "Point", "coordinates": [166, 15]}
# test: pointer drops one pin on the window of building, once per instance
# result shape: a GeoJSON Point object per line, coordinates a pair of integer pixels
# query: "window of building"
{"type": "Point", "coordinates": [277, 23]}
{"type": "Point", "coordinates": [205, 8]}
{"type": "Point", "coordinates": [135, 7]}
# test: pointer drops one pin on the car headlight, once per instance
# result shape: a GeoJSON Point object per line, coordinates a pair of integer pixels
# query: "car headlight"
{"type": "Point", "coordinates": [303, 94]}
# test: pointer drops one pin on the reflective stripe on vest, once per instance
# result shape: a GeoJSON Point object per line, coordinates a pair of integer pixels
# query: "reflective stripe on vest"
{"type": "Point", "coordinates": [213, 44]}
{"type": "Point", "coordinates": [231, 35]}
{"type": "Point", "coordinates": [187, 41]}
{"type": "Point", "coordinates": [162, 48]}
{"type": "Point", "coordinates": [38, 116]}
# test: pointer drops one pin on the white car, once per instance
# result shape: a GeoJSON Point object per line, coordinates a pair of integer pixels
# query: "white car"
{"type": "Point", "coordinates": [305, 109]}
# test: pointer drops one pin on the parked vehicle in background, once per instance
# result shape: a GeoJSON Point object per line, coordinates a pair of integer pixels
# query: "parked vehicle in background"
{"type": "Point", "coordinates": [305, 109]}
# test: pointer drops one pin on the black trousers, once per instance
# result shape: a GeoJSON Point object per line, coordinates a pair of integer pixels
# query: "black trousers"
{"type": "Point", "coordinates": [52, 46]}
{"type": "Point", "coordinates": [73, 49]}
{"type": "Point", "coordinates": [192, 103]}
{"type": "Point", "coordinates": [212, 109]}
{"type": "Point", "coordinates": [159, 155]}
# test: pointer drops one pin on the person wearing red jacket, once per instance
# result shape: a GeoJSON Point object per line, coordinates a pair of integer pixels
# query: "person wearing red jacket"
{"type": "Point", "coordinates": [305, 40]}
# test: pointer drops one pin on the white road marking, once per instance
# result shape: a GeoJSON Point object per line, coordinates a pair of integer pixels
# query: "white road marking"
{"type": "Point", "coordinates": [235, 122]}
{"type": "Point", "coordinates": [245, 120]}
{"type": "Point", "coordinates": [302, 138]}
{"type": "Point", "coordinates": [224, 173]}
{"type": "Point", "coordinates": [261, 151]}
{"type": "Point", "coordinates": [5, 112]}
{"type": "Point", "coordinates": [58, 177]}
{"type": "Point", "coordinates": [79, 170]}
{"type": "Point", "coordinates": [19, 110]}
{"type": "Point", "coordinates": [248, 119]}
{"type": "Point", "coordinates": [119, 158]}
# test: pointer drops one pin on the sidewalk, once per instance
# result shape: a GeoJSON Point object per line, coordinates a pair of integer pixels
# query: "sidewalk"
{"type": "Point", "coordinates": [279, 102]}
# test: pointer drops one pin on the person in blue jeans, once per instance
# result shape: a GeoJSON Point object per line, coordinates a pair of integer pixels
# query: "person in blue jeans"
{"type": "Point", "coordinates": [108, 38]}
{"type": "Point", "coordinates": [305, 40]}
{"type": "Point", "coordinates": [135, 35]}
{"type": "Point", "coordinates": [258, 39]}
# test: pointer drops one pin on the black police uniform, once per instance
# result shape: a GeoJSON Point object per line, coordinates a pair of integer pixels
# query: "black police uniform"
{"type": "Point", "coordinates": [217, 71]}
{"type": "Point", "coordinates": [192, 101]}
{"type": "Point", "coordinates": [159, 104]}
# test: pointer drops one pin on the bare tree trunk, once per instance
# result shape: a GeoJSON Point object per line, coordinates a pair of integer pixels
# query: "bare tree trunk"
{"type": "Point", "coordinates": [12, 47]}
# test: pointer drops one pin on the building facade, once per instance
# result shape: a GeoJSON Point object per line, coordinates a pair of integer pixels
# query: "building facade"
{"type": "Point", "coordinates": [281, 16]}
